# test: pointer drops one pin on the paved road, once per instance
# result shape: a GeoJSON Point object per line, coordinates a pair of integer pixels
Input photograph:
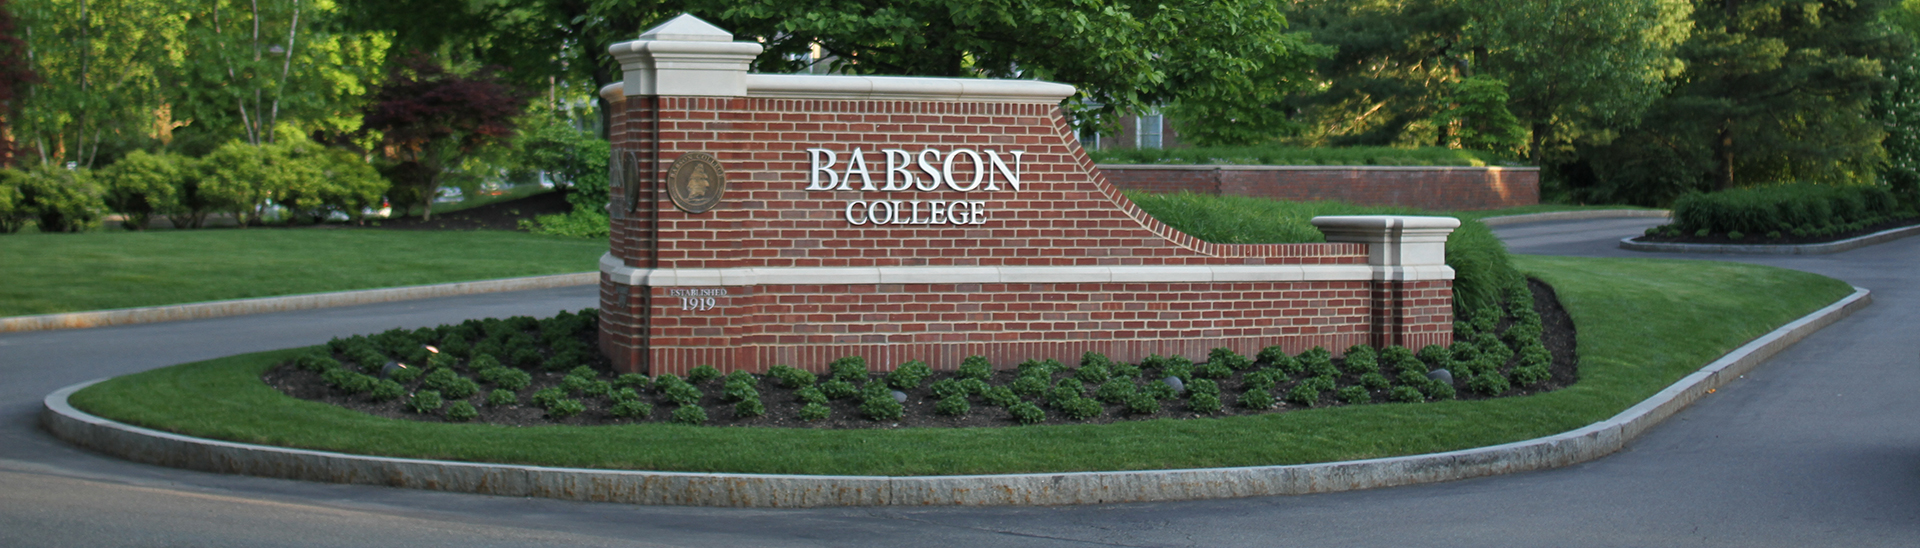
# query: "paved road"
{"type": "Point", "coordinates": [1819, 446]}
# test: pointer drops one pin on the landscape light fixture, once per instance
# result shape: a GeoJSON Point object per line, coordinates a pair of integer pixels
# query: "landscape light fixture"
{"type": "Point", "coordinates": [387, 371]}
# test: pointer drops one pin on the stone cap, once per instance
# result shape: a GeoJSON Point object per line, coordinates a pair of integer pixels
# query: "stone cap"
{"type": "Point", "coordinates": [1399, 241]}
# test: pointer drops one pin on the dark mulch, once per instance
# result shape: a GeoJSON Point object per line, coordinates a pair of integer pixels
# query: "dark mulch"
{"type": "Point", "coordinates": [495, 216]}
{"type": "Point", "coordinates": [1784, 239]}
{"type": "Point", "coordinates": [782, 409]}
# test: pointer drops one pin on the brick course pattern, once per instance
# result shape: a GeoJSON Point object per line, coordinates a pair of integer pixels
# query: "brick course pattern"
{"type": "Point", "coordinates": [1065, 214]}
{"type": "Point", "coordinates": [1432, 188]}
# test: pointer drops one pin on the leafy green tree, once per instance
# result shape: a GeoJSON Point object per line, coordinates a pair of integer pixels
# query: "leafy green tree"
{"type": "Point", "coordinates": [1478, 118]}
{"type": "Point", "coordinates": [96, 61]}
{"type": "Point", "coordinates": [572, 157]}
{"type": "Point", "coordinates": [141, 185]}
{"type": "Point", "coordinates": [1386, 80]}
{"type": "Point", "coordinates": [16, 75]}
{"type": "Point", "coordinates": [1898, 108]}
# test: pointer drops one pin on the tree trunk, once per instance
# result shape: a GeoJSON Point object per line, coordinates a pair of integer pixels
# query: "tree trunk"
{"type": "Point", "coordinates": [1724, 171]}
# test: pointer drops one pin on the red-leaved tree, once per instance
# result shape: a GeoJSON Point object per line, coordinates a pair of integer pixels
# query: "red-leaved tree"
{"type": "Point", "coordinates": [15, 75]}
{"type": "Point", "coordinates": [430, 120]}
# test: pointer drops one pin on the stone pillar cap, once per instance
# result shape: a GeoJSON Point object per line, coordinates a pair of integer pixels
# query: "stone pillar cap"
{"type": "Point", "coordinates": [1384, 222]}
{"type": "Point", "coordinates": [685, 57]}
{"type": "Point", "coordinates": [687, 28]}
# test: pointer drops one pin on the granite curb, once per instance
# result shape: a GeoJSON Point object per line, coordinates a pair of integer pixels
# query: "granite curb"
{"type": "Point", "coordinates": [1575, 216]}
{"type": "Point", "coordinates": [1848, 244]}
{"type": "Point", "coordinates": [237, 307]}
{"type": "Point", "coordinates": [770, 490]}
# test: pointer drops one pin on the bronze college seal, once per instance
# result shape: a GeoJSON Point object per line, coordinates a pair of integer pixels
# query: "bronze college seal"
{"type": "Point", "coordinates": [695, 182]}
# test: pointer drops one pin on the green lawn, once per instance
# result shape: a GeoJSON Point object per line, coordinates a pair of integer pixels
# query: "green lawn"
{"type": "Point", "coordinates": [1642, 325]}
{"type": "Point", "coordinates": [48, 273]}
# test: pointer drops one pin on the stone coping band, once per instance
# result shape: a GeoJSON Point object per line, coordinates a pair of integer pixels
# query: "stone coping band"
{"type": "Point", "coordinates": [1256, 167]}
{"type": "Point", "coordinates": [240, 307]}
{"type": "Point", "coordinates": [772, 490]}
{"type": "Point", "coordinates": [620, 273]}
{"type": "Point", "coordinates": [898, 88]}
{"type": "Point", "coordinates": [1848, 244]}
{"type": "Point", "coordinates": [1576, 216]}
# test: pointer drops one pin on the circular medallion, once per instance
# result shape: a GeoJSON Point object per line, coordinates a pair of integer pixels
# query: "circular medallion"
{"type": "Point", "coordinates": [695, 182]}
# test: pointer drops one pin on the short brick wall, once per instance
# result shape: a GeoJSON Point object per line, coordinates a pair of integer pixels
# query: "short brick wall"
{"type": "Point", "coordinates": [1436, 188]}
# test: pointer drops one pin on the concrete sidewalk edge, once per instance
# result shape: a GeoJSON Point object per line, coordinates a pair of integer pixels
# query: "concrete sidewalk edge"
{"type": "Point", "coordinates": [237, 307]}
{"type": "Point", "coordinates": [1848, 244]}
{"type": "Point", "coordinates": [770, 490]}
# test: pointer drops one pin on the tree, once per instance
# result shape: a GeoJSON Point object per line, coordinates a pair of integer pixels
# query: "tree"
{"type": "Point", "coordinates": [429, 120]}
{"type": "Point", "coordinates": [1386, 80]}
{"type": "Point", "coordinates": [16, 74]}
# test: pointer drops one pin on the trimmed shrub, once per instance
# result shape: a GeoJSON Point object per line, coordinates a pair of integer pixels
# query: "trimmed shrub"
{"type": "Point", "coordinates": [1178, 366]}
{"type": "Point", "coordinates": [1256, 399]}
{"type": "Point", "coordinates": [1490, 384]}
{"type": "Point", "coordinates": [512, 379]}
{"type": "Point", "coordinates": [632, 409]}
{"type": "Point", "coordinates": [1115, 390]}
{"type": "Point", "coordinates": [1529, 375]}
{"type": "Point", "coordinates": [1361, 363]}
{"type": "Point", "coordinates": [1027, 413]}
{"type": "Point", "coordinates": [1408, 394]}
{"type": "Point", "coordinates": [690, 414]}
{"type": "Point", "coordinates": [1304, 394]}
{"type": "Point", "coordinates": [502, 397]}
{"type": "Point", "coordinates": [1000, 396]}
{"type": "Point", "coordinates": [1065, 391]}
{"type": "Point", "coordinates": [792, 377]}
{"type": "Point", "coordinates": [1204, 386]}
{"type": "Point", "coordinates": [838, 389]}
{"type": "Point", "coordinates": [973, 387]}
{"type": "Point", "coordinates": [1160, 390]}
{"type": "Point", "coordinates": [1762, 209]}
{"type": "Point", "coordinates": [1142, 403]}
{"type": "Point", "coordinates": [1374, 381]}
{"type": "Point", "coordinates": [406, 374]}
{"type": "Point", "coordinates": [425, 401]}
{"type": "Point", "coordinates": [682, 394]}
{"type": "Point", "coordinates": [852, 369]}
{"type": "Point", "coordinates": [946, 388]}
{"type": "Point", "coordinates": [877, 403]}
{"type": "Point", "coordinates": [546, 397]}
{"type": "Point", "coordinates": [386, 390]}
{"type": "Point", "coordinates": [952, 406]}
{"type": "Point", "coordinates": [1047, 367]}
{"type": "Point", "coordinates": [702, 374]}
{"type": "Point", "coordinates": [461, 411]}
{"type": "Point", "coordinates": [1094, 374]}
{"type": "Point", "coordinates": [749, 408]}
{"type": "Point", "coordinates": [739, 390]}
{"type": "Point", "coordinates": [1212, 370]}
{"type": "Point", "coordinates": [635, 381]}
{"type": "Point", "coordinates": [1028, 386]}
{"type": "Point", "coordinates": [1437, 390]}
{"type": "Point", "coordinates": [1227, 357]}
{"type": "Point", "coordinates": [1080, 408]}
{"type": "Point", "coordinates": [1263, 379]}
{"type": "Point", "coordinates": [909, 375]}
{"type": "Point", "coordinates": [1205, 404]}
{"type": "Point", "coordinates": [1355, 395]}
{"type": "Point", "coordinates": [975, 367]}
{"type": "Point", "coordinates": [814, 411]}
{"type": "Point", "coordinates": [811, 394]}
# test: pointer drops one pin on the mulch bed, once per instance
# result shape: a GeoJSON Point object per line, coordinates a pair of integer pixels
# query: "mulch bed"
{"type": "Point", "coordinates": [1784, 239]}
{"type": "Point", "coordinates": [782, 408]}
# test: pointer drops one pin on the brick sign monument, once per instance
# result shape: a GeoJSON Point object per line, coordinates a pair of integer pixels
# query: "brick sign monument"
{"type": "Point", "coordinates": [763, 219]}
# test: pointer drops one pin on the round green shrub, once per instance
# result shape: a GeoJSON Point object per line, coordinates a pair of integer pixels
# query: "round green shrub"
{"type": "Point", "coordinates": [975, 367]}
{"type": "Point", "coordinates": [623, 394]}
{"type": "Point", "coordinates": [404, 374]}
{"type": "Point", "coordinates": [1065, 391]}
{"type": "Point", "coordinates": [738, 390]}
{"type": "Point", "coordinates": [1263, 379]}
{"type": "Point", "coordinates": [461, 411]}
{"type": "Point", "coordinates": [1080, 408]}
{"type": "Point", "coordinates": [973, 387]}
{"type": "Point", "coordinates": [1439, 391]}
{"type": "Point", "coordinates": [690, 414]}
{"type": "Point", "coordinates": [1000, 396]}
{"type": "Point", "coordinates": [386, 390]}
{"type": "Point", "coordinates": [1142, 403]}
{"type": "Point", "coordinates": [1212, 370]}
{"type": "Point", "coordinates": [946, 388]}
{"type": "Point", "coordinates": [1028, 386]}
{"type": "Point", "coordinates": [792, 377]}
{"type": "Point", "coordinates": [748, 408]}
{"type": "Point", "coordinates": [1256, 399]}
{"type": "Point", "coordinates": [1160, 390]}
{"type": "Point", "coordinates": [1226, 357]}
{"type": "Point", "coordinates": [1356, 395]}
{"type": "Point", "coordinates": [1406, 394]}
{"type": "Point", "coordinates": [1374, 381]}
{"type": "Point", "coordinates": [632, 409]}
{"type": "Point", "coordinates": [501, 397]}
{"type": "Point", "coordinates": [1204, 386]}
{"type": "Point", "coordinates": [909, 375]}
{"type": "Point", "coordinates": [953, 406]}
{"type": "Point", "coordinates": [683, 394]}
{"type": "Point", "coordinates": [849, 369]}
{"type": "Point", "coordinates": [839, 389]}
{"type": "Point", "coordinates": [425, 401]}
{"type": "Point", "coordinates": [702, 374]}
{"type": "Point", "coordinates": [524, 357]}
{"type": "Point", "coordinates": [1491, 383]}
{"type": "Point", "coordinates": [512, 379]}
{"type": "Point", "coordinates": [810, 394]}
{"type": "Point", "coordinates": [635, 381]}
{"type": "Point", "coordinates": [1095, 374]}
{"type": "Point", "coordinates": [879, 404]}
{"type": "Point", "coordinates": [1115, 390]}
{"type": "Point", "coordinates": [1203, 403]}
{"type": "Point", "coordinates": [483, 362]}
{"type": "Point", "coordinates": [1529, 375]}
{"type": "Point", "coordinates": [813, 412]}
{"type": "Point", "coordinates": [585, 372]}
{"type": "Point", "coordinates": [1304, 394]}
{"type": "Point", "coordinates": [1027, 413]}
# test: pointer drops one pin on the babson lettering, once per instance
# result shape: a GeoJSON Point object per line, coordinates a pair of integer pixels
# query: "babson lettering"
{"type": "Point", "coordinates": [960, 170]}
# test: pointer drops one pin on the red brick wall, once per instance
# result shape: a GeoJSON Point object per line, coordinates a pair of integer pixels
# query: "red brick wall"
{"type": "Point", "coordinates": [1432, 188]}
{"type": "Point", "coordinates": [1065, 215]}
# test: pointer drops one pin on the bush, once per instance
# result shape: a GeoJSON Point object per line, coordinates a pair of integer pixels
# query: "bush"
{"type": "Point", "coordinates": [749, 408]}
{"type": "Point", "coordinates": [851, 369]}
{"type": "Point", "coordinates": [1094, 374]}
{"type": "Point", "coordinates": [1028, 386]}
{"type": "Point", "coordinates": [1355, 395]}
{"type": "Point", "coordinates": [1046, 367]}
{"type": "Point", "coordinates": [512, 379]}
{"type": "Point", "coordinates": [1080, 408]}
{"type": "Point", "coordinates": [1179, 367]}
{"type": "Point", "coordinates": [1304, 394]}
{"type": "Point", "coordinates": [1273, 155]}
{"type": "Point", "coordinates": [1204, 386]}
{"type": "Point", "coordinates": [1115, 390]}
{"type": "Point", "coordinates": [58, 199]}
{"type": "Point", "coordinates": [1439, 391]}
{"type": "Point", "coordinates": [548, 396]}
{"type": "Point", "coordinates": [814, 411]}
{"type": "Point", "coordinates": [682, 394]}
{"type": "Point", "coordinates": [1027, 413]}
{"type": "Point", "coordinates": [1065, 391]}
{"type": "Point", "coordinates": [635, 381]}
{"type": "Point", "coordinates": [1212, 370]}
{"type": "Point", "coordinates": [946, 388]}
{"type": "Point", "coordinates": [792, 377]}
{"type": "Point", "coordinates": [1361, 363]}
{"type": "Point", "coordinates": [952, 406]}
{"type": "Point", "coordinates": [405, 373]}
{"type": "Point", "coordinates": [1203, 403]}
{"type": "Point", "coordinates": [502, 397]}
{"type": "Point", "coordinates": [1490, 383]}
{"type": "Point", "coordinates": [702, 374]}
{"type": "Point", "coordinates": [975, 367]}
{"type": "Point", "coordinates": [1529, 375]}
{"type": "Point", "coordinates": [1160, 390]}
{"type": "Point", "coordinates": [1228, 358]}
{"type": "Point", "coordinates": [1406, 394]}
{"type": "Point", "coordinates": [425, 401]}
{"type": "Point", "coordinates": [141, 184]}
{"type": "Point", "coordinates": [1000, 396]}
{"type": "Point", "coordinates": [690, 414]}
{"type": "Point", "coordinates": [632, 409]}
{"type": "Point", "coordinates": [838, 389]}
{"type": "Point", "coordinates": [1256, 399]}
{"type": "Point", "coordinates": [1263, 379]}
{"type": "Point", "coordinates": [909, 375]}
{"type": "Point", "coordinates": [461, 411]}
{"type": "Point", "coordinates": [386, 390]}
{"type": "Point", "coordinates": [1142, 403]}
{"type": "Point", "coordinates": [1763, 209]}
{"type": "Point", "coordinates": [1374, 381]}
{"type": "Point", "coordinates": [973, 387]}
{"type": "Point", "coordinates": [877, 403]}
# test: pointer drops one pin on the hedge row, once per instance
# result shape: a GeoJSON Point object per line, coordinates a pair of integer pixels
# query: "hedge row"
{"type": "Point", "coordinates": [1280, 155]}
{"type": "Point", "coordinates": [1800, 209]}
{"type": "Point", "coordinates": [246, 181]}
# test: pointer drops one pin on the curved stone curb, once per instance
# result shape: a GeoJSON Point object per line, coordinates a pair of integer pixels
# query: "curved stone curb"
{"type": "Point", "coordinates": [1575, 216]}
{"type": "Point", "coordinates": [769, 490]}
{"type": "Point", "coordinates": [1848, 244]}
{"type": "Point", "coordinates": [237, 307]}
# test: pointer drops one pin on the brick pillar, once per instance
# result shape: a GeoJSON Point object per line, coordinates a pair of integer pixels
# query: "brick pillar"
{"type": "Point", "coordinates": [1412, 288]}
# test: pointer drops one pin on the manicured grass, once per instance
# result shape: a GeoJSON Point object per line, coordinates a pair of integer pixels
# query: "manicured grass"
{"type": "Point", "coordinates": [1642, 325]}
{"type": "Point", "coordinates": [48, 273]}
